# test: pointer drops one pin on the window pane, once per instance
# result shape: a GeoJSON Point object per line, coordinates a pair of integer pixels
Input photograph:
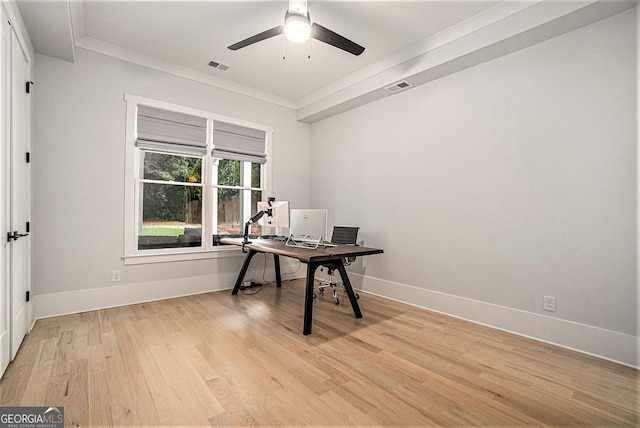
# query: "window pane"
{"type": "Point", "coordinates": [229, 173]}
{"type": "Point", "coordinates": [255, 175]}
{"type": "Point", "coordinates": [229, 212]}
{"type": "Point", "coordinates": [162, 166]}
{"type": "Point", "coordinates": [171, 216]}
{"type": "Point", "coordinates": [230, 201]}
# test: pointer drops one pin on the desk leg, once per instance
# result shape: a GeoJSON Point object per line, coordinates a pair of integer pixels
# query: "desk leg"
{"type": "Point", "coordinates": [347, 285]}
{"type": "Point", "coordinates": [308, 298]}
{"type": "Point", "coordinates": [243, 271]}
{"type": "Point", "coordinates": [276, 262]}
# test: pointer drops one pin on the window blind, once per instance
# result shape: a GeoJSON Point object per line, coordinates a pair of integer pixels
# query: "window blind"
{"type": "Point", "coordinates": [170, 131]}
{"type": "Point", "coordinates": [237, 142]}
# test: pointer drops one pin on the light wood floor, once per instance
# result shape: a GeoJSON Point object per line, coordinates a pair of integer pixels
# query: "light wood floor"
{"type": "Point", "coordinates": [223, 360]}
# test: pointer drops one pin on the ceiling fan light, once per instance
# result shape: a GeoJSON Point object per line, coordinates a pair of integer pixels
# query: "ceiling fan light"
{"type": "Point", "coordinates": [297, 28]}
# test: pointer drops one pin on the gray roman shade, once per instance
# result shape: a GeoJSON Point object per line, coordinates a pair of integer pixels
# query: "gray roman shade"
{"type": "Point", "coordinates": [237, 142]}
{"type": "Point", "coordinates": [169, 131]}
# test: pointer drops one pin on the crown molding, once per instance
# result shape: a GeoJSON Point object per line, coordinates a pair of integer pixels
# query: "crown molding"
{"type": "Point", "coordinates": [178, 70]}
{"type": "Point", "coordinates": [503, 29]}
{"type": "Point", "coordinates": [464, 28]}
{"type": "Point", "coordinates": [500, 30]}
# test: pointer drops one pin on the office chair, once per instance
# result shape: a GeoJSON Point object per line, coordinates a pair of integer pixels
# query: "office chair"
{"type": "Point", "coordinates": [340, 235]}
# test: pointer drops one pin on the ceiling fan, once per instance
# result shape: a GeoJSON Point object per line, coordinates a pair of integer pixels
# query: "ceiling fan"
{"type": "Point", "coordinates": [298, 28]}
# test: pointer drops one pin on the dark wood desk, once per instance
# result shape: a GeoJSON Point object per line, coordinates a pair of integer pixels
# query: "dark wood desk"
{"type": "Point", "coordinates": [313, 258]}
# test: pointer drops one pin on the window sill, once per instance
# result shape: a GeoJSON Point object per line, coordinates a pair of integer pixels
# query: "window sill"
{"type": "Point", "coordinates": [138, 259]}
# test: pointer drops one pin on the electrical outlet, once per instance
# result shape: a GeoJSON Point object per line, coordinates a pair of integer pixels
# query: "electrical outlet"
{"type": "Point", "coordinates": [115, 276]}
{"type": "Point", "coordinates": [549, 303]}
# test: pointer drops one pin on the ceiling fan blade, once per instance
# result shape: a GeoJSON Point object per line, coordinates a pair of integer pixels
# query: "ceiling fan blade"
{"type": "Point", "coordinates": [323, 34]}
{"type": "Point", "coordinates": [257, 38]}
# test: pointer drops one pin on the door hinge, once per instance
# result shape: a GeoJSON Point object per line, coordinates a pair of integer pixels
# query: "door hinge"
{"type": "Point", "coordinates": [28, 86]}
{"type": "Point", "coordinates": [28, 296]}
{"type": "Point", "coordinates": [28, 227]}
{"type": "Point", "coordinates": [28, 157]}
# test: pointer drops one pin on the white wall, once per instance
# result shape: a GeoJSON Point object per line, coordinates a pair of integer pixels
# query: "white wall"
{"type": "Point", "coordinates": [500, 184]}
{"type": "Point", "coordinates": [78, 180]}
{"type": "Point", "coordinates": [487, 189]}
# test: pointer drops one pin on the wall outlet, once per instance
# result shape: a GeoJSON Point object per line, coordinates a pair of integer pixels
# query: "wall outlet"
{"type": "Point", "coordinates": [115, 276]}
{"type": "Point", "coordinates": [549, 303]}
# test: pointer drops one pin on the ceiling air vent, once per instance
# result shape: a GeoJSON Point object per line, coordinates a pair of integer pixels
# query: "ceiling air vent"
{"type": "Point", "coordinates": [399, 86]}
{"type": "Point", "coordinates": [218, 65]}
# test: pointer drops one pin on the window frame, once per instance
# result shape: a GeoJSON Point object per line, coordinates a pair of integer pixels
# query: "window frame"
{"type": "Point", "coordinates": [133, 203]}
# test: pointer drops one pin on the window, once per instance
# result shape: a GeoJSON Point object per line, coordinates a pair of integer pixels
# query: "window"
{"type": "Point", "coordinates": [239, 152]}
{"type": "Point", "coordinates": [171, 201]}
{"type": "Point", "coordinates": [191, 176]}
{"type": "Point", "coordinates": [238, 191]}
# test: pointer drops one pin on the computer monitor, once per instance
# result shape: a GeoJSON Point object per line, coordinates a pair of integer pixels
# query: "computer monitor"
{"type": "Point", "coordinates": [309, 222]}
{"type": "Point", "coordinates": [279, 214]}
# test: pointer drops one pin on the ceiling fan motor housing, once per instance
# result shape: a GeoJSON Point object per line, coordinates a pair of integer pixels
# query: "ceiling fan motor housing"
{"type": "Point", "coordinates": [297, 26]}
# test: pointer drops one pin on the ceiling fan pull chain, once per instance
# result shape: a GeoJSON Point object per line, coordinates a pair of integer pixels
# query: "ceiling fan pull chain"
{"type": "Point", "coordinates": [284, 48]}
{"type": "Point", "coordinates": [309, 49]}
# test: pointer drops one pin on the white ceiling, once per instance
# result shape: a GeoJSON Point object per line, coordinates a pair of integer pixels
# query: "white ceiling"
{"type": "Point", "coordinates": [182, 36]}
{"type": "Point", "coordinates": [190, 33]}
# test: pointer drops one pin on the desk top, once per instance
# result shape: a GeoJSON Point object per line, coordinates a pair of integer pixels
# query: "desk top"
{"type": "Point", "coordinates": [306, 255]}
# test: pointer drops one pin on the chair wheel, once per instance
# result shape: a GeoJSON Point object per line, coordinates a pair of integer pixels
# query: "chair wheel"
{"type": "Point", "coordinates": [322, 291]}
{"type": "Point", "coordinates": [314, 295]}
{"type": "Point", "coordinates": [357, 295]}
{"type": "Point", "coordinates": [336, 301]}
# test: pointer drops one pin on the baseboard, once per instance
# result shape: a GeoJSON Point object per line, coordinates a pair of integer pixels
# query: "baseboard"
{"type": "Point", "coordinates": [72, 302]}
{"type": "Point", "coordinates": [606, 344]}
{"type": "Point", "coordinates": [76, 301]}
{"type": "Point", "coordinates": [610, 345]}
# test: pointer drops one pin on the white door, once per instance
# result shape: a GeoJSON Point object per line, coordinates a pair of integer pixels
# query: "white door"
{"type": "Point", "coordinates": [5, 138]}
{"type": "Point", "coordinates": [20, 194]}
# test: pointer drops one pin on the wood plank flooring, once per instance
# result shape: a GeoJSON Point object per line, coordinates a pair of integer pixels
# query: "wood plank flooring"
{"type": "Point", "coordinates": [222, 360]}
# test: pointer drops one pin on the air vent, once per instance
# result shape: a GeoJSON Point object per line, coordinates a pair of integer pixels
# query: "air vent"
{"type": "Point", "coordinates": [399, 86]}
{"type": "Point", "coordinates": [218, 65]}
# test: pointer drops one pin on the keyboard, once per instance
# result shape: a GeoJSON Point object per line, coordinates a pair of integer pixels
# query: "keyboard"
{"type": "Point", "coordinates": [308, 242]}
{"type": "Point", "coordinates": [305, 241]}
